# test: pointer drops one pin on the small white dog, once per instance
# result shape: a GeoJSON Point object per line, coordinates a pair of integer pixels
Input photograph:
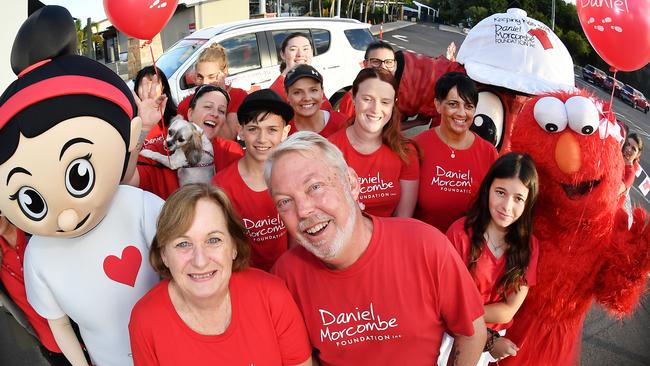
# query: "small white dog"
{"type": "Point", "coordinates": [190, 152]}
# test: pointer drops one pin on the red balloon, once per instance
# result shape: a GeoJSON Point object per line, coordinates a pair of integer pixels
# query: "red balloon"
{"type": "Point", "coordinates": [141, 19]}
{"type": "Point", "coordinates": [619, 30]}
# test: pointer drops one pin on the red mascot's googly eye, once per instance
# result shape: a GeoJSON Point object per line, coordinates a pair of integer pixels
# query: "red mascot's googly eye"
{"type": "Point", "coordinates": [550, 114]}
{"type": "Point", "coordinates": [583, 115]}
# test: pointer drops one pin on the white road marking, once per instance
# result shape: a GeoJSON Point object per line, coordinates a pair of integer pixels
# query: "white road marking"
{"type": "Point", "coordinates": [401, 38]}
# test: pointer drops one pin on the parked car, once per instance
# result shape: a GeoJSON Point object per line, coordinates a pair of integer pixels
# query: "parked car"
{"type": "Point", "coordinates": [253, 49]}
{"type": "Point", "coordinates": [593, 75]}
{"type": "Point", "coordinates": [634, 98]}
{"type": "Point", "coordinates": [610, 82]}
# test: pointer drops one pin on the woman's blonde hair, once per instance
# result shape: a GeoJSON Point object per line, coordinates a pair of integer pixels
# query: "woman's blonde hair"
{"type": "Point", "coordinates": [176, 218]}
{"type": "Point", "coordinates": [214, 53]}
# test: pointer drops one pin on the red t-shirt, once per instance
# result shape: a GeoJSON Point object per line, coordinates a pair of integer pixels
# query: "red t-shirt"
{"type": "Point", "coordinates": [278, 87]}
{"type": "Point", "coordinates": [392, 305]}
{"type": "Point", "coordinates": [266, 328]}
{"type": "Point", "coordinates": [162, 181]}
{"type": "Point", "coordinates": [346, 105]}
{"type": "Point", "coordinates": [448, 185]}
{"type": "Point", "coordinates": [379, 174]}
{"type": "Point", "coordinates": [489, 269]}
{"type": "Point", "coordinates": [335, 122]}
{"type": "Point", "coordinates": [236, 98]}
{"type": "Point", "coordinates": [265, 230]}
{"type": "Point", "coordinates": [13, 280]}
{"type": "Point", "coordinates": [154, 177]}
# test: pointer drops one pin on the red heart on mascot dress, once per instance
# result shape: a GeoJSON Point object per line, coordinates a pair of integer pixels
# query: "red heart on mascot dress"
{"type": "Point", "coordinates": [619, 30]}
{"type": "Point", "coordinates": [141, 19]}
{"type": "Point", "coordinates": [124, 270]}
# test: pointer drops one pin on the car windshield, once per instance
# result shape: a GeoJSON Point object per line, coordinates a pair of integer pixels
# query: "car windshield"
{"type": "Point", "coordinates": [174, 57]}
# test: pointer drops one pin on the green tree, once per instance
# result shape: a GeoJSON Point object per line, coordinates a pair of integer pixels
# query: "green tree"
{"type": "Point", "coordinates": [577, 45]}
{"type": "Point", "coordinates": [82, 43]}
{"type": "Point", "coordinates": [474, 14]}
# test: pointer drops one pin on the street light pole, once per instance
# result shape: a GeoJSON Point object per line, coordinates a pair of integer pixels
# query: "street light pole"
{"type": "Point", "coordinates": [338, 8]}
{"type": "Point", "coordinates": [553, 15]}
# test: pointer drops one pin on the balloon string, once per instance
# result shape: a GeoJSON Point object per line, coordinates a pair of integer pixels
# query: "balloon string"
{"type": "Point", "coordinates": [163, 130]}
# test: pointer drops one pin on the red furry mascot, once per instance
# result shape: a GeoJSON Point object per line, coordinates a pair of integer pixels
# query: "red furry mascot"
{"type": "Point", "coordinates": [586, 249]}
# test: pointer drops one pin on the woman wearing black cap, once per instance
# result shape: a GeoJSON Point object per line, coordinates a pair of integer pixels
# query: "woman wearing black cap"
{"type": "Point", "coordinates": [264, 119]}
{"type": "Point", "coordinates": [304, 86]}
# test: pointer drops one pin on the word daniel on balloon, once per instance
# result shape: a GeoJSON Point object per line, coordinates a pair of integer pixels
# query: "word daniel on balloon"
{"type": "Point", "coordinates": [619, 30]}
{"type": "Point", "coordinates": [141, 19]}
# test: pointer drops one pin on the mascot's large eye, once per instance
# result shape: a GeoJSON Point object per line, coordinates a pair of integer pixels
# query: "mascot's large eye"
{"type": "Point", "coordinates": [583, 115]}
{"type": "Point", "coordinates": [489, 118]}
{"type": "Point", "coordinates": [80, 177]}
{"type": "Point", "coordinates": [31, 203]}
{"type": "Point", "coordinates": [550, 114]}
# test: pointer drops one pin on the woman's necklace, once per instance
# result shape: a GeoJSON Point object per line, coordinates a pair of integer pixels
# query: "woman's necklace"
{"type": "Point", "coordinates": [444, 140]}
{"type": "Point", "coordinates": [497, 250]}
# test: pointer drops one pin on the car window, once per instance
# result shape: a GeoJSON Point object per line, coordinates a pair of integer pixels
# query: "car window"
{"type": "Point", "coordinates": [174, 57]}
{"type": "Point", "coordinates": [359, 38]}
{"type": "Point", "coordinates": [321, 39]}
{"type": "Point", "coordinates": [280, 35]}
{"type": "Point", "coordinates": [243, 53]}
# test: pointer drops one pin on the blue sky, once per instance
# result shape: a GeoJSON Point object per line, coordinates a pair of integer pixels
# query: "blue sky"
{"type": "Point", "coordinates": [82, 9]}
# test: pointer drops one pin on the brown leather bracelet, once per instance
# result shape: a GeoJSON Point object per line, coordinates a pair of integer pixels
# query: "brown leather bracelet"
{"type": "Point", "coordinates": [489, 343]}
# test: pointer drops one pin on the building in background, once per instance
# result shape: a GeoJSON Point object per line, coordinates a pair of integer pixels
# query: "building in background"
{"type": "Point", "coordinates": [190, 15]}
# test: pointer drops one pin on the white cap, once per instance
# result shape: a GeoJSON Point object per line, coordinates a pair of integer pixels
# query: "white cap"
{"type": "Point", "coordinates": [516, 52]}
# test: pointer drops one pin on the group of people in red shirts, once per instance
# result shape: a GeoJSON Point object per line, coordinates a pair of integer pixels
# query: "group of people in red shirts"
{"type": "Point", "coordinates": [324, 199]}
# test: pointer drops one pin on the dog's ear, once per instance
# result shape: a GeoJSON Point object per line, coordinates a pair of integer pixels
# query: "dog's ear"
{"type": "Point", "coordinates": [194, 149]}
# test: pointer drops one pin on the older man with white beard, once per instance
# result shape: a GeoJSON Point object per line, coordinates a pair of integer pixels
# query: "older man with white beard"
{"type": "Point", "coordinates": [373, 291]}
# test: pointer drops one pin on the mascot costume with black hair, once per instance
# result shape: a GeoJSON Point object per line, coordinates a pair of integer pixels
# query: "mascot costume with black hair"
{"type": "Point", "coordinates": [586, 249]}
{"type": "Point", "coordinates": [67, 128]}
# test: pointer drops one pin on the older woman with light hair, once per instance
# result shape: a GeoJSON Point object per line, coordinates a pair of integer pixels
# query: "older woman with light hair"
{"type": "Point", "coordinates": [210, 304]}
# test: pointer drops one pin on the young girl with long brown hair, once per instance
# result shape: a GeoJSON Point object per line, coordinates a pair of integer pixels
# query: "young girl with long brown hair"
{"type": "Point", "coordinates": [495, 241]}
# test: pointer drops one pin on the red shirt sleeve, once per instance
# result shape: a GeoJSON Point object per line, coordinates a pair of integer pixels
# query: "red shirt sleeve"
{"type": "Point", "coordinates": [236, 98]}
{"type": "Point", "coordinates": [154, 177]}
{"type": "Point", "coordinates": [411, 171]}
{"type": "Point", "coordinates": [225, 152]}
{"type": "Point", "coordinates": [628, 175]}
{"type": "Point", "coordinates": [278, 87]}
{"type": "Point", "coordinates": [459, 300]}
{"type": "Point", "coordinates": [184, 106]}
{"type": "Point", "coordinates": [289, 326]}
{"type": "Point", "coordinates": [346, 105]}
{"type": "Point", "coordinates": [459, 239]}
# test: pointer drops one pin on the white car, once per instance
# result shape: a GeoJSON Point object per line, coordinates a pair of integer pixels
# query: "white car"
{"type": "Point", "coordinates": [253, 49]}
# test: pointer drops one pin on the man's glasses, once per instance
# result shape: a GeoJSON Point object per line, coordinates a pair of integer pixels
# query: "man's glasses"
{"type": "Point", "coordinates": [375, 62]}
